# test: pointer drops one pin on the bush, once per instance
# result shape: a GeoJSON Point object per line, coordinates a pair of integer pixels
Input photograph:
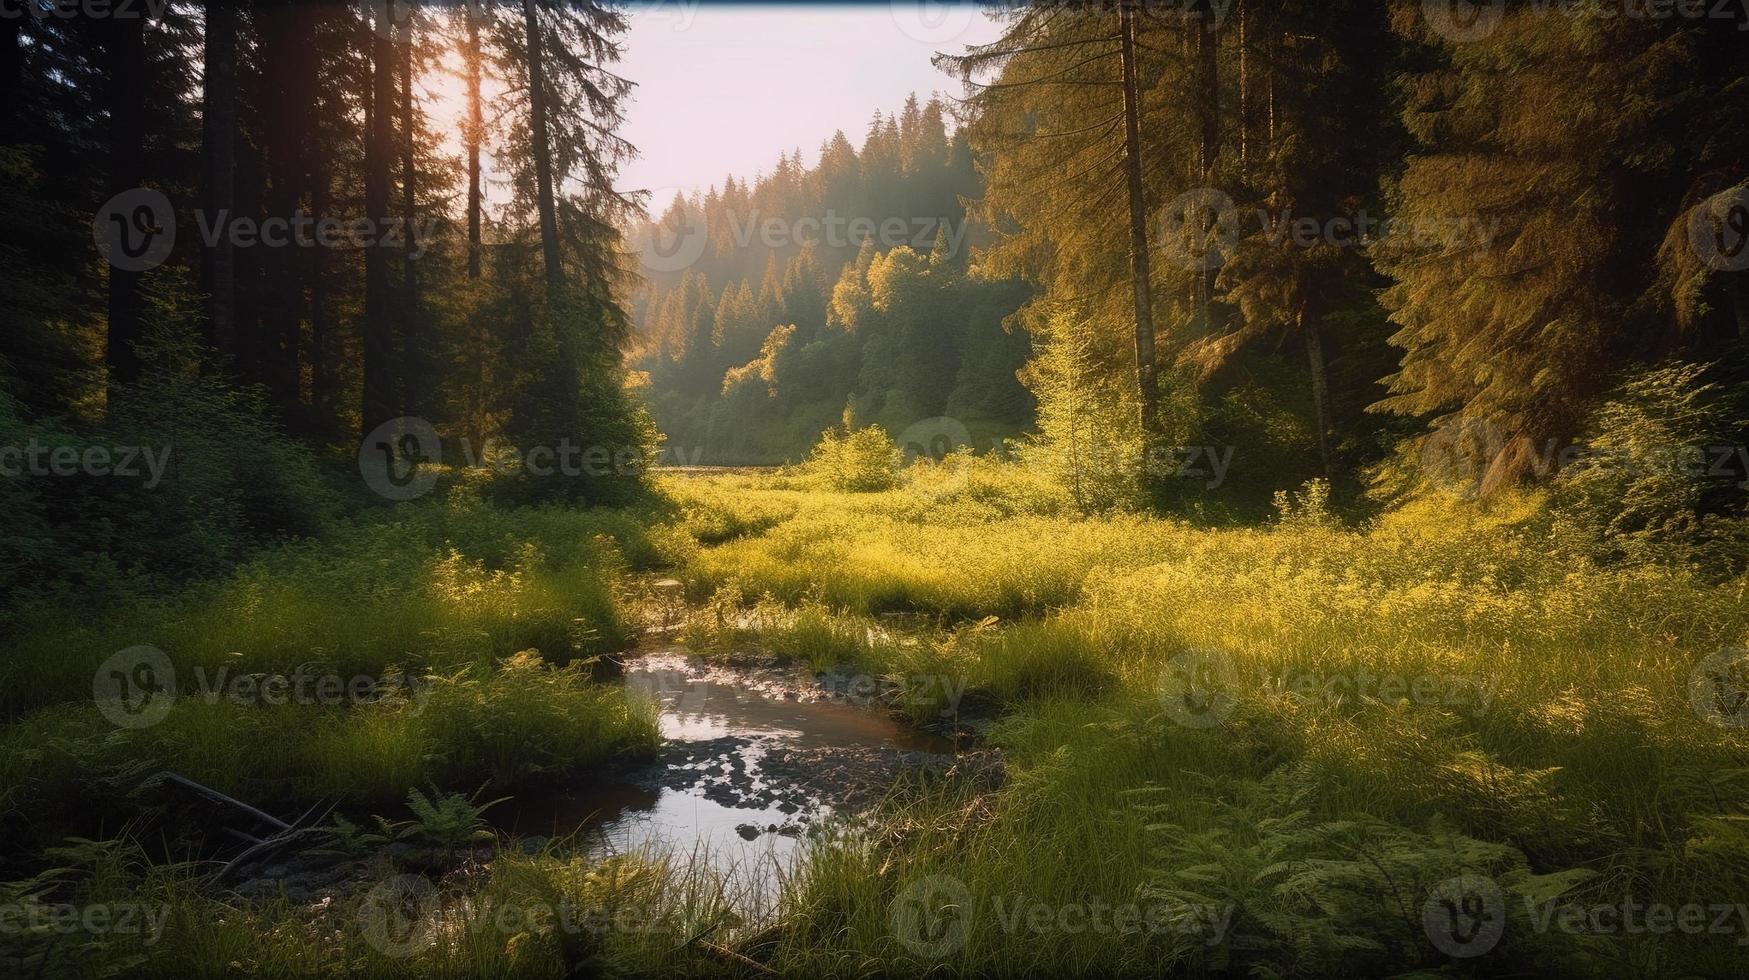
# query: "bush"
{"type": "Point", "coordinates": [213, 483]}
{"type": "Point", "coordinates": [857, 461]}
{"type": "Point", "coordinates": [1647, 486]}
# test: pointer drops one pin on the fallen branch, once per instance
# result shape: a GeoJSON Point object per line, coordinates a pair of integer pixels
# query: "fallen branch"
{"type": "Point", "coordinates": [218, 797]}
{"type": "Point", "coordinates": [262, 849]}
{"type": "Point", "coordinates": [302, 827]}
{"type": "Point", "coordinates": [729, 955]}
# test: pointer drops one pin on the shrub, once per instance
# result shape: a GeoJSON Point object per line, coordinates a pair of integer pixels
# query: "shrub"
{"type": "Point", "coordinates": [858, 460]}
{"type": "Point", "coordinates": [214, 483]}
{"type": "Point", "coordinates": [1646, 487]}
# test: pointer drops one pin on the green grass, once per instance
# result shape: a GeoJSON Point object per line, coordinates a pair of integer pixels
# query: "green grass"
{"type": "Point", "coordinates": [1374, 711]}
{"type": "Point", "coordinates": [538, 915]}
{"type": "Point", "coordinates": [1447, 690]}
{"type": "Point", "coordinates": [488, 619]}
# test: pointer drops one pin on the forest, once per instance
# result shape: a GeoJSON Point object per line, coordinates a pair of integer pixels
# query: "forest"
{"type": "Point", "coordinates": [842, 288]}
{"type": "Point", "coordinates": [1215, 488]}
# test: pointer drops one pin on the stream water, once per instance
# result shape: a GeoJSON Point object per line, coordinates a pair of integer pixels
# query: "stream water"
{"type": "Point", "coordinates": [750, 763]}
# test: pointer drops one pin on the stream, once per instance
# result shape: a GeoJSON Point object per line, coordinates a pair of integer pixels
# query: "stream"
{"type": "Point", "coordinates": [751, 762]}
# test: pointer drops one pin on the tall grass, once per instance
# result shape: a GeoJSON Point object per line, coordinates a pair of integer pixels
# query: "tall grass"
{"type": "Point", "coordinates": [1271, 746]}
{"type": "Point", "coordinates": [1448, 690]}
{"type": "Point", "coordinates": [472, 628]}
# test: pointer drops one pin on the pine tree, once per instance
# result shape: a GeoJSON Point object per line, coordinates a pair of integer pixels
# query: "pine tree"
{"type": "Point", "coordinates": [1519, 333]}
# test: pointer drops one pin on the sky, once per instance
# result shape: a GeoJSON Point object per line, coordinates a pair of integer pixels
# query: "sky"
{"type": "Point", "coordinates": [727, 88]}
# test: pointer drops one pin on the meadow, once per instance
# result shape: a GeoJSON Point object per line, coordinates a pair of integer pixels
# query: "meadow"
{"type": "Point", "coordinates": [1267, 750]}
{"type": "Point", "coordinates": [1299, 731]}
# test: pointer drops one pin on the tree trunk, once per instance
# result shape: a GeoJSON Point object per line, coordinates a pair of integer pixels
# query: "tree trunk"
{"type": "Point", "coordinates": [246, 263]}
{"type": "Point", "coordinates": [1244, 91]}
{"type": "Point", "coordinates": [1310, 328]}
{"type": "Point", "coordinates": [1269, 80]}
{"type": "Point", "coordinates": [219, 156]}
{"type": "Point", "coordinates": [287, 43]}
{"type": "Point", "coordinates": [11, 79]}
{"type": "Point", "coordinates": [474, 133]}
{"type": "Point", "coordinates": [127, 105]}
{"type": "Point", "coordinates": [418, 355]}
{"type": "Point", "coordinates": [542, 150]}
{"type": "Point", "coordinates": [381, 401]}
{"type": "Point", "coordinates": [324, 403]}
{"type": "Point", "coordinates": [1209, 115]}
{"type": "Point", "coordinates": [1208, 92]}
{"type": "Point", "coordinates": [409, 177]}
{"type": "Point", "coordinates": [1147, 389]}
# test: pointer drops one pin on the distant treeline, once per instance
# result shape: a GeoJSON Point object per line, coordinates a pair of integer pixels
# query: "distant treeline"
{"type": "Point", "coordinates": [776, 305]}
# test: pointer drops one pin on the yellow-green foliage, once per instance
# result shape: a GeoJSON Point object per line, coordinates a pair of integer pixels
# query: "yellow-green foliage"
{"type": "Point", "coordinates": [489, 618]}
{"type": "Point", "coordinates": [540, 915]}
{"type": "Point", "coordinates": [1451, 688]}
{"type": "Point", "coordinates": [428, 585]}
{"type": "Point", "coordinates": [858, 461]}
{"type": "Point", "coordinates": [509, 726]}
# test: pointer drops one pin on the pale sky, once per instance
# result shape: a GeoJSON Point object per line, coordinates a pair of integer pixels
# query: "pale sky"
{"type": "Point", "coordinates": [727, 88]}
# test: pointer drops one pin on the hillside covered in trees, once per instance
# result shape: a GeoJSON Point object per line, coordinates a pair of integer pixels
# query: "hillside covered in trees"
{"type": "Point", "coordinates": [781, 305]}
